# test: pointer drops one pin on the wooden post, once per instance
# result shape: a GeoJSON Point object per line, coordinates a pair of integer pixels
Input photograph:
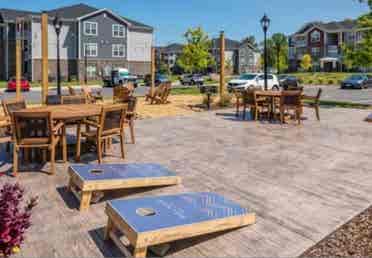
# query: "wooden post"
{"type": "Point", "coordinates": [222, 64]}
{"type": "Point", "coordinates": [18, 57]}
{"type": "Point", "coordinates": [44, 56]}
{"type": "Point", "coordinates": [152, 71]}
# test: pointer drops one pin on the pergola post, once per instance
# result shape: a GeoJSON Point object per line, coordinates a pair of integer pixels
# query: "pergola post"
{"type": "Point", "coordinates": [18, 57]}
{"type": "Point", "coordinates": [152, 90]}
{"type": "Point", "coordinates": [44, 56]}
{"type": "Point", "coordinates": [222, 64]}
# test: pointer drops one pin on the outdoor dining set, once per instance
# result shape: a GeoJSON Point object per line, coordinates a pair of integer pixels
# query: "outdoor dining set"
{"type": "Point", "coordinates": [275, 105]}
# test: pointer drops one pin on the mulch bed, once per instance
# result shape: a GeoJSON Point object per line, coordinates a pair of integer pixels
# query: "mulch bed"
{"type": "Point", "coordinates": [353, 239]}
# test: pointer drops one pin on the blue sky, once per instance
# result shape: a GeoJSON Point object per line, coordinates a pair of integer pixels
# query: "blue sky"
{"type": "Point", "coordinates": [238, 18]}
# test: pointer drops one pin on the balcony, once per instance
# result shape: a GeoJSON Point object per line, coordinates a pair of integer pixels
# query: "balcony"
{"type": "Point", "coordinates": [333, 51]}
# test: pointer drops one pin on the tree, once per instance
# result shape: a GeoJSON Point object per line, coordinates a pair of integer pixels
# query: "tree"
{"type": "Point", "coordinates": [306, 62]}
{"type": "Point", "coordinates": [280, 44]}
{"type": "Point", "coordinates": [251, 40]}
{"type": "Point", "coordinates": [369, 2]}
{"type": "Point", "coordinates": [360, 54]}
{"type": "Point", "coordinates": [195, 56]}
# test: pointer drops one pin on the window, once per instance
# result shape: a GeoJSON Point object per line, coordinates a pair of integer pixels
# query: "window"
{"type": "Point", "coordinates": [118, 50]}
{"type": "Point", "coordinates": [91, 71]}
{"type": "Point", "coordinates": [315, 36]}
{"type": "Point", "coordinates": [91, 49]}
{"type": "Point", "coordinates": [118, 31]}
{"type": "Point", "coordinates": [91, 28]}
{"type": "Point", "coordinates": [315, 51]}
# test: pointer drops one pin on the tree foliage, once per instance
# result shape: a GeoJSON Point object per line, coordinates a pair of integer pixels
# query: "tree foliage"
{"type": "Point", "coordinates": [195, 56]}
{"type": "Point", "coordinates": [251, 40]}
{"type": "Point", "coordinates": [277, 42]}
{"type": "Point", "coordinates": [306, 62]}
{"type": "Point", "coordinates": [369, 2]}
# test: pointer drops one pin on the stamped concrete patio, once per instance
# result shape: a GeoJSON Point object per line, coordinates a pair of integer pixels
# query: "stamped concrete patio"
{"type": "Point", "coordinates": [302, 181]}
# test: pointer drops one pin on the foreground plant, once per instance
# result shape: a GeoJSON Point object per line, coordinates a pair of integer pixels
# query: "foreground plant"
{"type": "Point", "coordinates": [14, 220]}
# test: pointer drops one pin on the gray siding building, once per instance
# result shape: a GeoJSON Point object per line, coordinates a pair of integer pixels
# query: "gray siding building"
{"type": "Point", "coordinates": [102, 37]}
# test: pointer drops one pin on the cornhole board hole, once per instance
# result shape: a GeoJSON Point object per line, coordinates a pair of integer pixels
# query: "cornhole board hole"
{"type": "Point", "coordinates": [141, 223]}
{"type": "Point", "coordinates": [90, 178]}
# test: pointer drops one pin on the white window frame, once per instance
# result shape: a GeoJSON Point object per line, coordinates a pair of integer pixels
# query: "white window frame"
{"type": "Point", "coordinates": [315, 39]}
{"type": "Point", "coordinates": [90, 71]}
{"type": "Point", "coordinates": [118, 27]}
{"type": "Point", "coordinates": [89, 54]}
{"type": "Point", "coordinates": [315, 53]}
{"type": "Point", "coordinates": [90, 33]}
{"type": "Point", "coordinates": [114, 50]}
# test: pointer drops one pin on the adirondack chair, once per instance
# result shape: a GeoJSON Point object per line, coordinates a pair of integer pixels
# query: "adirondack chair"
{"type": "Point", "coordinates": [122, 94]}
{"type": "Point", "coordinates": [160, 95]}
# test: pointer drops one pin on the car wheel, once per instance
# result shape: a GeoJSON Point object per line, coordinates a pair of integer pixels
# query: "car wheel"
{"type": "Point", "coordinates": [275, 87]}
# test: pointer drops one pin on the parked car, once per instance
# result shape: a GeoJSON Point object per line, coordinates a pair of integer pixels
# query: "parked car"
{"type": "Point", "coordinates": [159, 78]}
{"type": "Point", "coordinates": [248, 80]}
{"type": "Point", "coordinates": [192, 79]}
{"type": "Point", "coordinates": [357, 81]}
{"type": "Point", "coordinates": [288, 81]}
{"type": "Point", "coordinates": [12, 85]}
{"type": "Point", "coordinates": [119, 76]}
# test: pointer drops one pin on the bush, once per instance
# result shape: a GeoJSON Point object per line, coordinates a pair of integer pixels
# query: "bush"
{"type": "Point", "coordinates": [310, 81]}
{"type": "Point", "coordinates": [13, 221]}
{"type": "Point", "coordinates": [225, 100]}
{"type": "Point", "coordinates": [301, 80]}
{"type": "Point", "coordinates": [330, 82]}
{"type": "Point", "coordinates": [320, 81]}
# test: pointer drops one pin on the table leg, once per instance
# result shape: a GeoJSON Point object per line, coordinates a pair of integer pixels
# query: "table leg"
{"type": "Point", "coordinates": [85, 200]}
{"type": "Point", "coordinates": [78, 142]}
{"type": "Point", "coordinates": [140, 252]}
{"type": "Point", "coordinates": [109, 227]}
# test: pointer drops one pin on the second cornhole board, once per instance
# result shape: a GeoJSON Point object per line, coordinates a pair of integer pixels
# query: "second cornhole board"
{"type": "Point", "coordinates": [90, 178]}
{"type": "Point", "coordinates": [152, 221]}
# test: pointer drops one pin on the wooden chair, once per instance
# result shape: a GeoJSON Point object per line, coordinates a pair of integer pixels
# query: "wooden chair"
{"type": "Point", "coordinates": [313, 102]}
{"type": "Point", "coordinates": [256, 104]}
{"type": "Point", "coordinates": [111, 123]}
{"type": "Point", "coordinates": [36, 130]}
{"type": "Point", "coordinates": [121, 94]}
{"type": "Point", "coordinates": [76, 99]}
{"type": "Point", "coordinates": [161, 94]}
{"type": "Point", "coordinates": [9, 106]}
{"type": "Point", "coordinates": [291, 100]}
{"type": "Point", "coordinates": [131, 116]}
{"type": "Point", "coordinates": [71, 91]}
{"type": "Point", "coordinates": [92, 97]}
{"type": "Point", "coordinates": [239, 100]}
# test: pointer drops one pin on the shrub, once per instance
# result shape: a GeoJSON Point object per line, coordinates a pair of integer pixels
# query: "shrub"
{"type": "Point", "coordinates": [310, 81]}
{"type": "Point", "coordinates": [13, 221]}
{"type": "Point", "coordinates": [301, 80]}
{"type": "Point", "coordinates": [320, 81]}
{"type": "Point", "coordinates": [330, 82]}
{"type": "Point", "coordinates": [225, 100]}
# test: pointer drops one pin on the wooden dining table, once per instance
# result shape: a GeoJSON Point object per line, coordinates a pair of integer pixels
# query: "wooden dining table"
{"type": "Point", "coordinates": [272, 95]}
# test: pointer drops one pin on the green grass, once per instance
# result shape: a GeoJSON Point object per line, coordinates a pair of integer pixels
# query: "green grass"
{"type": "Point", "coordinates": [3, 84]}
{"type": "Point", "coordinates": [343, 104]}
{"type": "Point", "coordinates": [321, 78]}
{"type": "Point", "coordinates": [186, 91]}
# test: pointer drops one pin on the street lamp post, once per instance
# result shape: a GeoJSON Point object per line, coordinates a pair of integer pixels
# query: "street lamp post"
{"type": "Point", "coordinates": [85, 66]}
{"type": "Point", "coordinates": [57, 23]}
{"type": "Point", "coordinates": [265, 23]}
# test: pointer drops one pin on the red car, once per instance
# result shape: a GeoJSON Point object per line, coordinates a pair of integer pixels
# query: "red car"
{"type": "Point", "coordinates": [25, 85]}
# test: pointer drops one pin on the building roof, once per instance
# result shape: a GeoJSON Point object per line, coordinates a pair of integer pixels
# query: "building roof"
{"type": "Point", "coordinates": [347, 24]}
{"type": "Point", "coordinates": [66, 12]}
{"type": "Point", "coordinates": [229, 44]}
{"type": "Point", "coordinates": [248, 44]}
{"type": "Point", "coordinates": [172, 48]}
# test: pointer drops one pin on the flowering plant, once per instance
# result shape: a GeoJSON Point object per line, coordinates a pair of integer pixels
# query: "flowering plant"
{"type": "Point", "coordinates": [14, 220]}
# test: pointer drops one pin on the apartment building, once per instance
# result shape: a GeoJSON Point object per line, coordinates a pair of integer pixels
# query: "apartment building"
{"type": "Point", "coordinates": [323, 42]}
{"type": "Point", "coordinates": [102, 37]}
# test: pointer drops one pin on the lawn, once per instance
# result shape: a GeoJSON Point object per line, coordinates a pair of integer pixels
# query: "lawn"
{"type": "Point", "coordinates": [3, 84]}
{"type": "Point", "coordinates": [321, 78]}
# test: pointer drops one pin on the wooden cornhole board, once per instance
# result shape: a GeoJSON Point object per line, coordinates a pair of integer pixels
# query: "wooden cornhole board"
{"type": "Point", "coordinates": [90, 178]}
{"type": "Point", "coordinates": [153, 221]}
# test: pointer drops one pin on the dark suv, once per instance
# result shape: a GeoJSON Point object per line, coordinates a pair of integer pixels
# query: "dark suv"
{"type": "Point", "coordinates": [192, 79]}
{"type": "Point", "coordinates": [159, 78]}
{"type": "Point", "coordinates": [288, 81]}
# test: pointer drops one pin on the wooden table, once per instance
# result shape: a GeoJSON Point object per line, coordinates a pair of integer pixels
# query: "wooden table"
{"type": "Point", "coordinates": [89, 178]}
{"type": "Point", "coordinates": [272, 94]}
{"type": "Point", "coordinates": [156, 220]}
{"type": "Point", "coordinates": [69, 112]}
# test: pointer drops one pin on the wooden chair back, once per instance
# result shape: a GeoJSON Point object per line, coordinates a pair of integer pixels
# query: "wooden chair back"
{"type": "Point", "coordinates": [32, 128]}
{"type": "Point", "coordinates": [249, 97]}
{"type": "Point", "coordinates": [77, 99]}
{"type": "Point", "coordinates": [10, 106]}
{"type": "Point", "coordinates": [291, 98]}
{"type": "Point", "coordinates": [71, 91]}
{"type": "Point", "coordinates": [112, 119]}
{"type": "Point", "coordinates": [121, 94]}
{"type": "Point", "coordinates": [318, 95]}
{"type": "Point", "coordinates": [166, 91]}
{"type": "Point", "coordinates": [132, 104]}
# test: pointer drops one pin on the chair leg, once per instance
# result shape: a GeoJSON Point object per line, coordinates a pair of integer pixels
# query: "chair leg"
{"type": "Point", "coordinates": [131, 126]}
{"type": "Point", "coordinates": [237, 107]}
{"type": "Point", "coordinates": [99, 150]}
{"type": "Point", "coordinates": [52, 160]}
{"type": "Point", "coordinates": [15, 161]}
{"type": "Point", "coordinates": [78, 143]}
{"type": "Point", "coordinates": [122, 140]}
{"type": "Point", "coordinates": [64, 144]}
{"type": "Point", "coordinates": [317, 112]}
{"type": "Point", "coordinates": [282, 116]}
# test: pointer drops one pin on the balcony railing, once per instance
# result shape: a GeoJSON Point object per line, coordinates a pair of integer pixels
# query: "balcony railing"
{"type": "Point", "coordinates": [333, 51]}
